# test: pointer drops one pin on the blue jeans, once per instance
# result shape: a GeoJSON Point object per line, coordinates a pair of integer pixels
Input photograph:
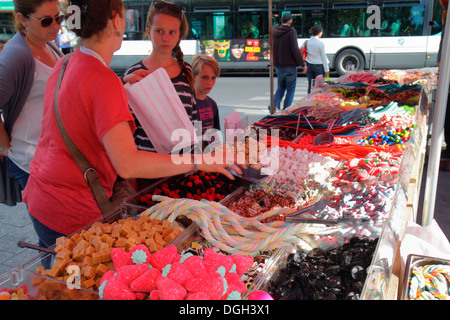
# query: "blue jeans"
{"type": "Point", "coordinates": [287, 80]}
{"type": "Point", "coordinates": [16, 173]}
{"type": "Point", "coordinates": [313, 70]}
{"type": "Point", "coordinates": [47, 238]}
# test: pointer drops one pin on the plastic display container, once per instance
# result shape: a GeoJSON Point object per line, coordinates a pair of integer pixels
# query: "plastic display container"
{"type": "Point", "coordinates": [275, 268]}
{"type": "Point", "coordinates": [414, 261]}
{"type": "Point", "coordinates": [139, 202]}
{"type": "Point", "coordinates": [86, 255]}
{"type": "Point", "coordinates": [40, 287]}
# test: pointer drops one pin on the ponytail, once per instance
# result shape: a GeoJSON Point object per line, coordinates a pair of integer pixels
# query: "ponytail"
{"type": "Point", "coordinates": [179, 55]}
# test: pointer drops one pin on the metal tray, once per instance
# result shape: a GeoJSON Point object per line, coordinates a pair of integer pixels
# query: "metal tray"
{"type": "Point", "coordinates": [415, 261]}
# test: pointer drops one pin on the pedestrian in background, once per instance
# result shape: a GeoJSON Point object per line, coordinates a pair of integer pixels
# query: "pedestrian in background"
{"type": "Point", "coordinates": [64, 40]}
{"type": "Point", "coordinates": [286, 59]}
{"type": "Point", "coordinates": [316, 58]}
{"type": "Point", "coordinates": [25, 65]}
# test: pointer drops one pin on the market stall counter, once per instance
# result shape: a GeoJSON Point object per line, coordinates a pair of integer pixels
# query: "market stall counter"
{"type": "Point", "coordinates": [272, 235]}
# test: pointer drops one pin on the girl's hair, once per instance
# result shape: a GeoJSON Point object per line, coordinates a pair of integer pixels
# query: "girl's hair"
{"type": "Point", "coordinates": [315, 30]}
{"type": "Point", "coordinates": [175, 11]}
{"type": "Point", "coordinates": [26, 7]}
{"type": "Point", "coordinates": [199, 61]}
{"type": "Point", "coordinates": [95, 15]}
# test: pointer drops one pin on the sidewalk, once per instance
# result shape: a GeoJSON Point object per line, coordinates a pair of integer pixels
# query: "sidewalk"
{"type": "Point", "coordinates": [15, 225]}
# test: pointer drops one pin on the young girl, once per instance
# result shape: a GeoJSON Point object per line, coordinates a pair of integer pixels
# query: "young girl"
{"type": "Point", "coordinates": [166, 27]}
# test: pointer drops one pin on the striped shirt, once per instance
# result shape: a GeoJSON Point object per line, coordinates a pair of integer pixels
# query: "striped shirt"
{"type": "Point", "coordinates": [187, 97]}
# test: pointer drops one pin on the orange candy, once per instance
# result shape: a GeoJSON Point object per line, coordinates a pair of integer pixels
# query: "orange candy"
{"type": "Point", "coordinates": [5, 295]}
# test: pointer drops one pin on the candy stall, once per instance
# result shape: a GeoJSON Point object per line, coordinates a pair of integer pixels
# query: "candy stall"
{"type": "Point", "coordinates": [317, 215]}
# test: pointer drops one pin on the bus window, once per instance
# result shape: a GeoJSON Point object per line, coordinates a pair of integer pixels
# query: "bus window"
{"type": "Point", "coordinates": [6, 25]}
{"type": "Point", "coordinates": [211, 25]}
{"type": "Point", "coordinates": [311, 18]}
{"type": "Point", "coordinates": [402, 20]}
{"type": "Point", "coordinates": [133, 29]}
{"type": "Point", "coordinates": [348, 20]}
{"type": "Point", "coordinates": [436, 22]}
{"type": "Point", "coordinates": [252, 23]}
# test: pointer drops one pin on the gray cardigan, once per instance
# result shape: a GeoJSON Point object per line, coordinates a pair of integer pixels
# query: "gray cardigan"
{"type": "Point", "coordinates": [16, 78]}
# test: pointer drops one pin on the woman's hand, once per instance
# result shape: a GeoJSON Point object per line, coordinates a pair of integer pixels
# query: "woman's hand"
{"type": "Point", "coordinates": [219, 162]}
{"type": "Point", "coordinates": [136, 76]}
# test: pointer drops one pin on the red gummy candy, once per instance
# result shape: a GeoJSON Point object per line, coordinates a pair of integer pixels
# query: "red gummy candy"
{"type": "Point", "coordinates": [119, 258]}
{"type": "Point", "coordinates": [106, 276]}
{"type": "Point", "coordinates": [235, 283]}
{"type": "Point", "coordinates": [141, 247]}
{"type": "Point", "coordinates": [197, 296]}
{"type": "Point", "coordinates": [141, 295]}
{"type": "Point", "coordinates": [127, 274]}
{"type": "Point", "coordinates": [195, 266]}
{"type": "Point", "coordinates": [179, 273]}
{"type": "Point", "coordinates": [224, 260]}
{"type": "Point", "coordinates": [154, 295]}
{"type": "Point", "coordinates": [242, 263]}
{"type": "Point", "coordinates": [164, 257]}
{"type": "Point", "coordinates": [211, 284]}
{"type": "Point", "coordinates": [211, 266]}
{"type": "Point", "coordinates": [170, 289]}
{"type": "Point", "coordinates": [146, 282]}
{"type": "Point", "coordinates": [115, 289]}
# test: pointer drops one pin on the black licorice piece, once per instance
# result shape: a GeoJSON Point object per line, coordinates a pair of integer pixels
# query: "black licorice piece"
{"type": "Point", "coordinates": [334, 274]}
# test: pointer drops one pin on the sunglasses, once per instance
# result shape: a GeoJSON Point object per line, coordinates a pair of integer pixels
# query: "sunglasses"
{"type": "Point", "coordinates": [47, 21]}
{"type": "Point", "coordinates": [170, 6]}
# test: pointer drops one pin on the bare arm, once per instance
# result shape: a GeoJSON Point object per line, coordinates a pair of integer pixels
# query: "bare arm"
{"type": "Point", "coordinates": [136, 76]}
{"type": "Point", "coordinates": [130, 162]}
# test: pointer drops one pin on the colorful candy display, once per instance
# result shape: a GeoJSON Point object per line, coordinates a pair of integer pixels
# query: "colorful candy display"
{"type": "Point", "coordinates": [166, 275]}
{"type": "Point", "coordinates": [237, 237]}
{"type": "Point", "coordinates": [429, 282]}
{"type": "Point", "coordinates": [201, 185]}
{"type": "Point", "coordinates": [15, 293]}
{"type": "Point", "coordinates": [332, 274]}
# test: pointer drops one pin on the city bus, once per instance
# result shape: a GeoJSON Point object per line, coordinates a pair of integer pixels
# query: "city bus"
{"type": "Point", "coordinates": [236, 32]}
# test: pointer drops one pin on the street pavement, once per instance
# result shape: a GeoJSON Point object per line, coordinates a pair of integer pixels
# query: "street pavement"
{"type": "Point", "coordinates": [15, 224]}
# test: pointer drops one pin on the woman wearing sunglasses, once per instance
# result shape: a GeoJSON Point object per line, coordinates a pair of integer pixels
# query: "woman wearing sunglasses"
{"type": "Point", "coordinates": [166, 27]}
{"type": "Point", "coordinates": [25, 65]}
{"type": "Point", "coordinates": [96, 116]}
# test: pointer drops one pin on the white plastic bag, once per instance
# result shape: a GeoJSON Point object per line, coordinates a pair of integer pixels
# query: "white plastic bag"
{"type": "Point", "coordinates": [158, 108]}
{"type": "Point", "coordinates": [428, 241]}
